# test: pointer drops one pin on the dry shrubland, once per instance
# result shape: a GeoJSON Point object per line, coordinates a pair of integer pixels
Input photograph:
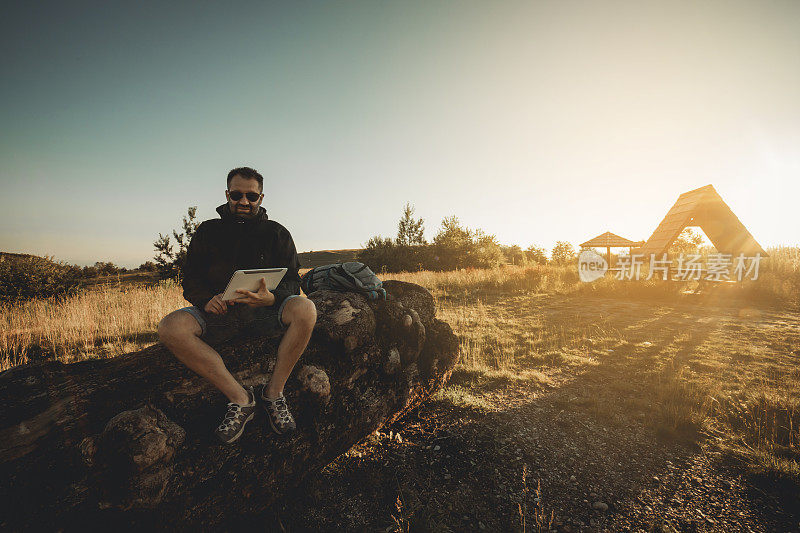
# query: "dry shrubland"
{"type": "Point", "coordinates": [739, 392]}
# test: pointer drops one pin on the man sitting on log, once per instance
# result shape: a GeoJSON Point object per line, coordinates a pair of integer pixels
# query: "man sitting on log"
{"type": "Point", "coordinates": [243, 238]}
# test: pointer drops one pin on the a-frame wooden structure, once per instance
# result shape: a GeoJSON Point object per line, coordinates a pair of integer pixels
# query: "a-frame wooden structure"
{"type": "Point", "coordinates": [705, 208]}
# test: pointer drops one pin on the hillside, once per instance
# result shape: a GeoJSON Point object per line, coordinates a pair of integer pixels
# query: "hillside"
{"type": "Point", "coordinates": [326, 257]}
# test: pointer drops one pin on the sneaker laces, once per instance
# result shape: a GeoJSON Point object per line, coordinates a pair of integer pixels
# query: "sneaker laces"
{"type": "Point", "coordinates": [231, 417]}
{"type": "Point", "coordinates": [280, 408]}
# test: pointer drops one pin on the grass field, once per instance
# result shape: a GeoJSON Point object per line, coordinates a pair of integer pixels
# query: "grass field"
{"type": "Point", "coordinates": [712, 367]}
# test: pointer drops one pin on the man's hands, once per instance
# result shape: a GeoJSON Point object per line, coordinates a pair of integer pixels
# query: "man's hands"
{"type": "Point", "coordinates": [217, 305]}
{"type": "Point", "coordinates": [262, 298]}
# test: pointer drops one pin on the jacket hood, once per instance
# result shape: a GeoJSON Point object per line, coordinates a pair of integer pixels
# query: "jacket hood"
{"type": "Point", "coordinates": [225, 212]}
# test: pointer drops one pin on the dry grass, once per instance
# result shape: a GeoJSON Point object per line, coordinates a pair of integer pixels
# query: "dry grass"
{"type": "Point", "coordinates": [737, 385]}
{"type": "Point", "coordinates": [105, 321]}
{"type": "Point", "coordinates": [505, 280]}
{"type": "Point", "coordinates": [761, 426]}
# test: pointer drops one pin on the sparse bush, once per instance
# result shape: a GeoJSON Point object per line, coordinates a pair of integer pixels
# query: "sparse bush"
{"type": "Point", "coordinates": [27, 276]}
{"type": "Point", "coordinates": [168, 260]}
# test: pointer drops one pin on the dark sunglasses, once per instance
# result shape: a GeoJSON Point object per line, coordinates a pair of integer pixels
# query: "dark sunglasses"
{"type": "Point", "coordinates": [237, 195]}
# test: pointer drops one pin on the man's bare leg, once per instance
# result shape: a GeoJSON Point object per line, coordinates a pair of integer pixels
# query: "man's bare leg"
{"type": "Point", "coordinates": [301, 315]}
{"type": "Point", "coordinates": [180, 332]}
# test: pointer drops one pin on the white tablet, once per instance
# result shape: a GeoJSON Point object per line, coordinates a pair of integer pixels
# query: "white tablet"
{"type": "Point", "coordinates": [250, 280]}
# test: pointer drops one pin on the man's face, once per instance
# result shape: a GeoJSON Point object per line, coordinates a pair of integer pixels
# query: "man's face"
{"type": "Point", "coordinates": [243, 207]}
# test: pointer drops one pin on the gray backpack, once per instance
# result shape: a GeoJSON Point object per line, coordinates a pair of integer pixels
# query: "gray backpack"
{"type": "Point", "coordinates": [344, 277]}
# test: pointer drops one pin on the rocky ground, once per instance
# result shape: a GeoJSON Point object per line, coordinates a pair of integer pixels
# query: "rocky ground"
{"type": "Point", "coordinates": [580, 447]}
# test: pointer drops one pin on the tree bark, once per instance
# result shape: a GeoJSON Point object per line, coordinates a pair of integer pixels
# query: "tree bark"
{"type": "Point", "coordinates": [129, 441]}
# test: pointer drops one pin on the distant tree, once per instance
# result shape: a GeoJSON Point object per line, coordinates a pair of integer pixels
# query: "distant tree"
{"type": "Point", "coordinates": [410, 231]}
{"type": "Point", "coordinates": [688, 242]}
{"type": "Point", "coordinates": [514, 255]}
{"type": "Point", "coordinates": [456, 246]}
{"type": "Point", "coordinates": [562, 252]}
{"type": "Point", "coordinates": [452, 244]}
{"type": "Point", "coordinates": [484, 251]}
{"type": "Point", "coordinates": [451, 233]}
{"type": "Point", "coordinates": [536, 254]}
{"type": "Point", "coordinates": [102, 268]}
{"type": "Point", "coordinates": [148, 266]}
{"type": "Point", "coordinates": [170, 261]}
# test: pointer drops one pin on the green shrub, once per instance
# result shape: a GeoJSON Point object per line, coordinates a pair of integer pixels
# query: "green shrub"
{"type": "Point", "coordinates": [378, 254]}
{"type": "Point", "coordinates": [28, 276]}
{"type": "Point", "coordinates": [454, 247]}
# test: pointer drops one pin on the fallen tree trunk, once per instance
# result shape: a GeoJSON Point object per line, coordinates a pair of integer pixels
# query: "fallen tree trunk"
{"type": "Point", "coordinates": [128, 441]}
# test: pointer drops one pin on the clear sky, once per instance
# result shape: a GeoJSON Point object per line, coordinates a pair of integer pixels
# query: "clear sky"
{"type": "Point", "coordinates": [534, 121]}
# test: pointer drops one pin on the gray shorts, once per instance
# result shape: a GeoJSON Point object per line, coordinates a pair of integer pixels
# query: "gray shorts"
{"type": "Point", "coordinates": [240, 319]}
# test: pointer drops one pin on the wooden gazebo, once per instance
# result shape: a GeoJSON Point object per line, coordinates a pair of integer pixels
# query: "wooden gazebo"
{"type": "Point", "coordinates": [608, 241]}
{"type": "Point", "coordinates": [705, 208]}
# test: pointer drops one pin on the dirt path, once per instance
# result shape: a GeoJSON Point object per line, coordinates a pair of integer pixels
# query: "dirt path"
{"type": "Point", "coordinates": [591, 435]}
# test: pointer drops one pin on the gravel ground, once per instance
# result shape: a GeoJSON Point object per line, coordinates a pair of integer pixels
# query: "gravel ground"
{"type": "Point", "coordinates": [579, 451]}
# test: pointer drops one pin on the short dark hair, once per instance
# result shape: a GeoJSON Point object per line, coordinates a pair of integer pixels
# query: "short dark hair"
{"type": "Point", "coordinates": [248, 174]}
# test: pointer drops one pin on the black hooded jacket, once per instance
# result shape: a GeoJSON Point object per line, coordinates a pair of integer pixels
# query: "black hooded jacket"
{"type": "Point", "coordinates": [221, 246]}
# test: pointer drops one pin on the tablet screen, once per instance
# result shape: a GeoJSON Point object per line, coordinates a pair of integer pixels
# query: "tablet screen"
{"type": "Point", "coordinates": [250, 279]}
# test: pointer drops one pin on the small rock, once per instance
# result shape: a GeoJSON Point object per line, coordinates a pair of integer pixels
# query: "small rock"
{"type": "Point", "coordinates": [600, 506]}
{"type": "Point", "coordinates": [593, 495]}
{"type": "Point", "coordinates": [447, 476]}
{"type": "Point", "coordinates": [573, 478]}
{"type": "Point", "coordinates": [437, 448]}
